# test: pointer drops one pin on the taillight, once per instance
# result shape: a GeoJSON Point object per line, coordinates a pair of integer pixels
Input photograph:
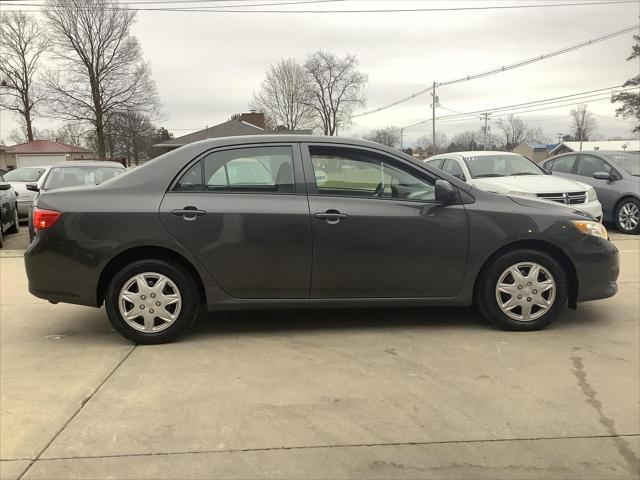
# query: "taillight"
{"type": "Point", "coordinates": [43, 219]}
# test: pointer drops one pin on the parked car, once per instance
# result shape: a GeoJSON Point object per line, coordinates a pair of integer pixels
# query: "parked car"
{"type": "Point", "coordinates": [513, 174]}
{"type": "Point", "coordinates": [335, 222]}
{"type": "Point", "coordinates": [71, 174]}
{"type": "Point", "coordinates": [8, 209]}
{"type": "Point", "coordinates": [614, 175]}
{"type": "Point", "coordinates": [19, 178]}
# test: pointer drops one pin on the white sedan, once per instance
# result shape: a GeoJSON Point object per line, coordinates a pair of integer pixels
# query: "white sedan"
{"type": "Point", "coordinates": [513, 174]}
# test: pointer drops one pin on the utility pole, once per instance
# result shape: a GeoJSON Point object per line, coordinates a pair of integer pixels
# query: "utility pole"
{"type": "Point", "coordinates": [485, 131]}
{"type": "Point", "coordinates": [401, 138]}
{"type": "Point", "coordinates": [434, 102]}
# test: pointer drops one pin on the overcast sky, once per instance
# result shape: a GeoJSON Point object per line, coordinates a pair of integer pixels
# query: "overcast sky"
{"type": "Point", "coordinates": [206, 65]}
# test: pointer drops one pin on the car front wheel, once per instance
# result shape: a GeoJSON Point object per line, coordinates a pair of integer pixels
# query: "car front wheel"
{"type": "Point", "coordinates": [628, 216]}
{"type": "Point", "coordinates": [152, 301]}
{"type": "Point", "coordinates": [522, 290]}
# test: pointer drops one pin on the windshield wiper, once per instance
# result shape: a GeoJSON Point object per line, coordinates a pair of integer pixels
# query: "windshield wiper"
{"type": "Point", "coordinates": [525, 173]}
{"type": "Point", "coordinates": [489, 175]}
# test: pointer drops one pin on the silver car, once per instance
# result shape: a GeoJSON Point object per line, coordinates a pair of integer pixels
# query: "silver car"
{"type": "Point", "coordinates": [19, 178]}
{"type": "Point", "coordinates": [615, 176]}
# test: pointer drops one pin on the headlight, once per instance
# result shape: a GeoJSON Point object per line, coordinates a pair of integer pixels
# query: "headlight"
{"type": "Point", "coordinates": [591, 195]}
{"type": "Point", "coordinates": [591, 228]}
{"type": "Point", "coordinates": [523, 194]}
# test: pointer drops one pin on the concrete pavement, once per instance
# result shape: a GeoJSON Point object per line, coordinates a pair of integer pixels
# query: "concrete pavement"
{"type": "Point", "coordinates": [380, 393]}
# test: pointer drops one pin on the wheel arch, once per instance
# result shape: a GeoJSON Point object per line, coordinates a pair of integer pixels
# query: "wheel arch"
{"type": "Point", "coordinates": [146, 253]}
{"type": "Point", "coordinates": [541, 245]}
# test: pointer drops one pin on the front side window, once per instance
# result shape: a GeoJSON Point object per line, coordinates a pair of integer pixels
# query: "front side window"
{"type": "Point", "coordinates": [588, 165]}
{"type": "Point", "coordinates": [564, 164]}
{"type": "Point", "coordinates": [61, 177]}
{"type": "Point", "coordinates": [354, 173]}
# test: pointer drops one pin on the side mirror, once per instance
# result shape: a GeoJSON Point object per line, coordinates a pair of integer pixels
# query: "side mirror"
{"type": "Point", "coordinates": [445, 192]}
{"type": "Point", "coordinates": [5, 186]}
{"type": "Point", "coordinates": [603, 176]}
{"type": "Point", "coordinates": [33, 187]}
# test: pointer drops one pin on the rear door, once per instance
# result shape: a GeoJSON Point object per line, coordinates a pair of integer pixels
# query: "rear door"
{"type": "Point", "coordinates": [377, 230]}
{"type": "Point", "coordinates": [243, 212]}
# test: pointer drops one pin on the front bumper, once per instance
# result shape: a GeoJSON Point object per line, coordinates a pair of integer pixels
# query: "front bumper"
{"type": "Point", "coordinates": [593, 208]}
{"type": "Point", "coordinates": [597, 264]}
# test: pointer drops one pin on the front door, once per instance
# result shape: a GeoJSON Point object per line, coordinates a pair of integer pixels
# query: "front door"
{"type": "Point", "coordinates": [244, 213]}
{"type": "Point", "coordinates": [377, 230]}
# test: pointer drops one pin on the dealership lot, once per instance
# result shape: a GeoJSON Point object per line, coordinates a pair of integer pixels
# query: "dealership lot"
{"type": "Point", "coordinates": [380, 393]}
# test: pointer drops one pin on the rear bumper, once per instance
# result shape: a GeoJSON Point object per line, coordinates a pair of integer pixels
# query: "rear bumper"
{"type": "Point", "coordinates": [23, 208]}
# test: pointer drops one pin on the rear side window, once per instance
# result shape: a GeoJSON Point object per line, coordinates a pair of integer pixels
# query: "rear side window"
{"type": "Point", "coordinates": [254, 169]}
{"type": "Point", "coordinates": [564, 164]}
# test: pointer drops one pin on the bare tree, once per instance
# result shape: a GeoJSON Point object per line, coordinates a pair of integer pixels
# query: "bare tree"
{"type": "Point", "coordinates": [103, 73]}
{"type": "Point", "coordinates": [467, 140]}
{"type": "Point", "coordinates": [131, 133]}
{"type": "Point", "coordinates": [535, 134]}
{"type": "Point", "coordinates": [285, 97]}
{"type": "Point", "coordinates": [336, 87]}
{"type": "Point", "coordinates": [583, 122]}
{"type": "Point", "coordinates": [389, 136]}
{"type": "Point", "coordinates": [23, 41]}
{"type": "Point", "coordinates": [513, 129]}
{"type": "Point", "coordinates": [630, 100]}
{"type": "Point", "coordinates": [425, 144]}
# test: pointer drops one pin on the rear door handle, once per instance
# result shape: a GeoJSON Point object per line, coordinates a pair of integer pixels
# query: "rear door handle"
{"type": "Point", "coordinates": [331, 216]}
{"type": "Point", "coordinates": [188, 213]}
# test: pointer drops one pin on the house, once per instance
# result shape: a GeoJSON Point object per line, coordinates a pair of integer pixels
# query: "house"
{"type": "Point", "coordinates": [620, 145]}
{"type": "Point", "coordinates": [40, 153]}
{"type": "Point", "coordinates": [252, 123]}
{"type": "Point", "coordinates": [532, 150]}
{"type": "Point", "coordinates": [6, 160]}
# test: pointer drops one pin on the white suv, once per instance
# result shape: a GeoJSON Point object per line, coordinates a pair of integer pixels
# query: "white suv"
{"type": "Point", "coordinates": [513, 174]}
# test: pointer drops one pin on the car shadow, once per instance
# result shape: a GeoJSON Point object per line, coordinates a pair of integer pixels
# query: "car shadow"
{"type": "Point", "coordinates": [270, 321]}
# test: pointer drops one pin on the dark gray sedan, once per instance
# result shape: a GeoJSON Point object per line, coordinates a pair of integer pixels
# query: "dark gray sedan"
{"type": "Point", "coordinates": [614, 175]}
{"type": "Point", "coordinates": [294, 221]}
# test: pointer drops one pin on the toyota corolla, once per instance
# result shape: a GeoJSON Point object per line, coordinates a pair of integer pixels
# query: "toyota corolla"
{"type": "Point", "coordinates": [295, 221]}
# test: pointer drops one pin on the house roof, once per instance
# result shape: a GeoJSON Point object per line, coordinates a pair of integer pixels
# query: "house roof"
{"type": "Point", "coordinates": [534, 145]}
{"type": "Point", "coordinates": [618, 145]}
{"type": "Point", "coordinates": [230, 128]}
{"type": "Point", "coordinates": [46, 146]}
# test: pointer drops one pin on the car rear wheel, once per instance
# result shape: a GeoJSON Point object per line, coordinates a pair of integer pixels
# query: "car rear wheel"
{"type": "Point", "coordinates": [152, 301]}
{"type": "Point", "coordinates": [628, 216]}
{"type": "Point", "coordinates": [15, 226]}
{"type": "Point", "coordinates": [522, 290]}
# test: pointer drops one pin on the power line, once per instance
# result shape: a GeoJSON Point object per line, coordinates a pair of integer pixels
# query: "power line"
{"type": "Point", "coordinates": [373, 10]}
{"type": "Point", "coordinates": [504, 68]}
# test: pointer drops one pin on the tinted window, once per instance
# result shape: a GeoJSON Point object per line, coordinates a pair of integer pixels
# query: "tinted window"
{"type": "Point", "coordinates": [24, 175]}
{"type": "Point", "coordinates": [588, 165]}
{"type": "Point", "coordinates": [60, 177]}
{"type": "Point", "coordinates": [356, 173]}
{"type": "Point", "coordinates": [260, 169]}
{"type": "Point", "coordinates": [191, 181]}
{"type": "Point", "coordinates": [563, 164]}
{"type": "Point", "coordinates": [453, 168]}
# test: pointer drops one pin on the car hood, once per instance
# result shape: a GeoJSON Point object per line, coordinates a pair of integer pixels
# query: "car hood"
{"type": "Point", "coordinates": [529, 184]}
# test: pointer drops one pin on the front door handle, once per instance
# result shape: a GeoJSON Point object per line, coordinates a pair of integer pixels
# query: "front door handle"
{"type": "Point", "coordinates": [189, 213]}
{"type": "Point", "coordinates": [331, 216]}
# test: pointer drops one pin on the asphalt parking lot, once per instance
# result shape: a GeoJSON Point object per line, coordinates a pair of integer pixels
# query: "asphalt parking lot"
{"type": "Point", "coordinates": [387, 393]}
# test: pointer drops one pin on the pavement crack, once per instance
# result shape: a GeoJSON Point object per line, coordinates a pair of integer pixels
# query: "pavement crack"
{"type": "Point", "coordinates": [621, 444]}
{"type": "Point", "coordinates": [78, 410]}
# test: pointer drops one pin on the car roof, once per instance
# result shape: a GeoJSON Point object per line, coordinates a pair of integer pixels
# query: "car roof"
{"type": "Point", "coordinates": [88, 163]}
{"type": "Point", "coordinates": [483, 153]}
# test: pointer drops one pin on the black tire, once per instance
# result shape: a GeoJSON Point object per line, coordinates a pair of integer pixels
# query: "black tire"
{"type": "Point", "coordinates": [15, 227]}
{"type": "Point", "coordinates": [186, 286]}
{"type": "Point", "coordinates": [627, 202]}
{"type": "Point", "coordinates": [487, 287]}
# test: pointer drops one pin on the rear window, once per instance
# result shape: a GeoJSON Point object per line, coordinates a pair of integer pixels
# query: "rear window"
{"type": "Point", "coordinates": [24, 174]}
{"type": "Point", "coordinates": [61, 177]}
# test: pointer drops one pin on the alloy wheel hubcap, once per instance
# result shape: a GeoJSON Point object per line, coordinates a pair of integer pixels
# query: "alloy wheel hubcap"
{"type": "Point", "coordinates": [525, 291]}
{"type": "Point", "coordinates": [150, 302]}
{"type": "Point", "coordinates": [629, 216]}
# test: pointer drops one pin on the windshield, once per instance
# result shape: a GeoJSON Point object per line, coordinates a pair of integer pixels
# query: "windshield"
{"type": "Point", "coordinates": [60, 177]}
{"type": "Point", "coordinates": [500, 166]}
{"type": "Point", "coordinates": [629, 162]}
{"type": "Point", "coordinates": [24, 174]}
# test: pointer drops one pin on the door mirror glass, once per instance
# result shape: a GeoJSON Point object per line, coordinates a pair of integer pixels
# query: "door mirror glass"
{"type": "Point", "coordinates": [33, 187]}
{"type": "Point", "coordinates": [445, 192]}
{"type": "Point", "coordinates": [603, 176]}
